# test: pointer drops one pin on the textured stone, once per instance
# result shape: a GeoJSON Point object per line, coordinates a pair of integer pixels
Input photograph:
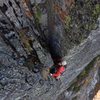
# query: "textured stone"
{"type": "Point", "coordinates": [70, 20]}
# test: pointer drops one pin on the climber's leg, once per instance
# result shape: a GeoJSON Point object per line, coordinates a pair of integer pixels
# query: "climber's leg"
{"type": "Point", "coordinates": [55, 48]}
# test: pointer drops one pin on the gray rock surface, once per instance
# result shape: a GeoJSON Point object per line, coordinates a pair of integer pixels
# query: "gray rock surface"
{"type": "Point", "coordinates": [17, 82]}
{"type": "Point", "coordinates": [18, 27]}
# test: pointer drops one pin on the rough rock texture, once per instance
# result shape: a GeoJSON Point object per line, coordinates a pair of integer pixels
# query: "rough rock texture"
{"type": "Point", "coordinates": [85, 85]}
{"type": "Point", "coordinates": [25, 27]}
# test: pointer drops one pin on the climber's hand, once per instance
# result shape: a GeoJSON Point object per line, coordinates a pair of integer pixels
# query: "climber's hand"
{"type": "Point", "coordinates": [50, 74]}
{"type": "Point", "coordinates": [58, 77]}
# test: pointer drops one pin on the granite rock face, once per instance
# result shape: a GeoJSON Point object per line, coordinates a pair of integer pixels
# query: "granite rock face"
{"type": "Point", "coordinates": [26, 26]}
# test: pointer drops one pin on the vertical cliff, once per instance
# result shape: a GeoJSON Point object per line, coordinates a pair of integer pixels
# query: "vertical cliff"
{"type": "Point", "coordinates": [26, 26]}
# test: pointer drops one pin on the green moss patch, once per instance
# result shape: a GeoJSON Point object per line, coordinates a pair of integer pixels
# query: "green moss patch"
{"type": "Point", "coordinates": [37, 16]}
{"type": "Point", "coordinates": [68, 19]}
{"type": "Point", "coordinates": [75, 86]}
{"type": "Point", "coordinates": [81, 19]}
{"type": "Point", "coordinates": [97, 9]}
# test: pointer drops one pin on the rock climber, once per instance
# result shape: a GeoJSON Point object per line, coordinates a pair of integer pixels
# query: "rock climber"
{"type": "Point", "coordinates": [56, 54]}
{"type": "Point", "coordinates": [60, 66]}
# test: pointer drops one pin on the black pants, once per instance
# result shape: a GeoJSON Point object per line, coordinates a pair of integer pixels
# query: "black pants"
{"type": "Point", "coordinates": [55, 47]}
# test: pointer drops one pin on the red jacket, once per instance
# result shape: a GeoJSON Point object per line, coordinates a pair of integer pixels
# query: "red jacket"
{"type": "Point", "coordinates": [59, 71]}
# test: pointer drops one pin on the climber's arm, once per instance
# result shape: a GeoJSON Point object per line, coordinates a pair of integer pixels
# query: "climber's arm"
{"type": "Point", "coordinates": [59, 71]}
